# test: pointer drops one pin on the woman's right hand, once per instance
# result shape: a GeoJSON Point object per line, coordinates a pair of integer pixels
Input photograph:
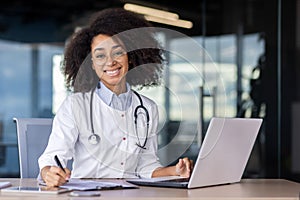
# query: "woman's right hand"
{"type": "Point", "coordinates": [55, 176]}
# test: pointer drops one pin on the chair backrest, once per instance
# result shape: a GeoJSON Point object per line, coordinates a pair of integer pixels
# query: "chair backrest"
{"type": "Point", "coordinates": [33, 135]}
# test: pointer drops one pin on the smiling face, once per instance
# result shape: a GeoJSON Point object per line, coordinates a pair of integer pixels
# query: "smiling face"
{"type": "Point", "coordinates": [110, 61]}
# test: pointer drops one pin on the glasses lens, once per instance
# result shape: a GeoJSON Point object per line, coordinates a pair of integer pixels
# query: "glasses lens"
{"type": "Point", "coordinates": [100, 58]}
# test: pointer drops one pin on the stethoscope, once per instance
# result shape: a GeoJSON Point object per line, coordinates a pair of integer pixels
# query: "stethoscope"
{"type": "Point", "coordinates": [95, 138]}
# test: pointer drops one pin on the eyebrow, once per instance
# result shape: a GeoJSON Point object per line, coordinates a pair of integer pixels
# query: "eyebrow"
{"type": "Point", "coordinates": [114, 47]}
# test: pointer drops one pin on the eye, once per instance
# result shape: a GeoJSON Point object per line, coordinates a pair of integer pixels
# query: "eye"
{"type": "Point", "coordinates": [100, 56]}
{"type": "Point", "coordinates": [118, 53]}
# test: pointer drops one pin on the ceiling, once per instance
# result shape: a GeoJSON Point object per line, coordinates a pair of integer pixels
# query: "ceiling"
{"type": "Point", "coordinates": [68, 9]}
{"type": "Point", "coordinates": [20, 15]}
{"type": "Point", "coordinates": [55, 20]}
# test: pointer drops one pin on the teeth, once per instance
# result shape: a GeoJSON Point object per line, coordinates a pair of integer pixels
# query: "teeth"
{"type": "Point", "coordinates": [112, 72]}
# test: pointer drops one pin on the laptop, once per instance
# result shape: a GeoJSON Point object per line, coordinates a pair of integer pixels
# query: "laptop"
{"type": "Point", "coordinates": [222, 157]}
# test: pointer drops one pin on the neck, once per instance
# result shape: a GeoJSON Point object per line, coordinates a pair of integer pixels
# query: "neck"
{"type": "Point", "coordinates": [119, 89]}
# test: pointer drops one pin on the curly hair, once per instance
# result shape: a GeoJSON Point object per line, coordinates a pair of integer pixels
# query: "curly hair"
{"type": "Point", "coordinates": [145, 54]}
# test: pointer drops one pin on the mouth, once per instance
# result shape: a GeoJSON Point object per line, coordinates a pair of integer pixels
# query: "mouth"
{"type": "Point", "coordinates": [114, 72]}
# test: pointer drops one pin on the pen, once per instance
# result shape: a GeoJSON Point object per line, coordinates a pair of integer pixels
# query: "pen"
{"type": "Point", "coordinates": [58, 163]}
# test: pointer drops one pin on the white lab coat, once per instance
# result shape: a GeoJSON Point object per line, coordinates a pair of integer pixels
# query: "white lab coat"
{"type": "Point", "coordinates": [116, 155]}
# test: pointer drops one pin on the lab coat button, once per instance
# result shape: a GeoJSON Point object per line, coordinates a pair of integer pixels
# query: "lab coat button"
{"type": "Point", "coordinates": [122, 163]}
{"type": "Point", "coordinates": [124, 138]}
{"type": "Point", "coordinates": [122, 115]}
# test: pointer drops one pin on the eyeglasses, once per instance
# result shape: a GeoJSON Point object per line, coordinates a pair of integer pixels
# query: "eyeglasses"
{"type": "Point", "coordinates": [100, 57]}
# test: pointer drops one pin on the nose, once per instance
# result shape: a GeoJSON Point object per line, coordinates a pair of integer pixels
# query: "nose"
{"type": "Point", "coordinates": [110, 61]}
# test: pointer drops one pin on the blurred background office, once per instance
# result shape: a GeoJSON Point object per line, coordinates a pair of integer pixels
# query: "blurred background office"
{"type": "Point", "coordinates": [233, 58]}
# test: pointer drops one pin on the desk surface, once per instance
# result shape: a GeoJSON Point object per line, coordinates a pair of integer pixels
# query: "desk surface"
{"type": "Point", "coordinates": [246, 189]}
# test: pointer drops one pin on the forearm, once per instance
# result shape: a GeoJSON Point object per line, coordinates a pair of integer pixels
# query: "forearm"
{"type": "Point", "coordinates": [165, 171]}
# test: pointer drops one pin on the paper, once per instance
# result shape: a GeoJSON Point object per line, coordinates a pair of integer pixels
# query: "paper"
{"type": "Point", "coordinates": [75, 184]}
{"type": "Point", "coordinates": [82, 184]}
{"type": "Point", "coordinates": [4, 184]}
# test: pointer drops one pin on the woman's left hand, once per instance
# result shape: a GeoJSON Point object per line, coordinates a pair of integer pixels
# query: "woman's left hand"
{"type": "Point", "coordinates": [184, 167]}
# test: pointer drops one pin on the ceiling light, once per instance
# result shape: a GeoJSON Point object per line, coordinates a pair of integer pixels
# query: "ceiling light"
{"type": "Point", "coordinates": [151, 11]}
{"type": "Point", "coordinates": [159, 16]}
{"type": "Point", "coordinates": [179, 22]}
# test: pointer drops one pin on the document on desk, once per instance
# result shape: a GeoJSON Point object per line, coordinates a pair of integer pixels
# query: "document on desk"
{"type": "Point", "coordinates": [87, 184]}
{"type": "Point", "coordinates": [4, 184]}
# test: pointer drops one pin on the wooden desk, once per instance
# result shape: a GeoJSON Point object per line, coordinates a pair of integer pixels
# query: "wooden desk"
{"type": "Point", "coordinates": [248, 189]}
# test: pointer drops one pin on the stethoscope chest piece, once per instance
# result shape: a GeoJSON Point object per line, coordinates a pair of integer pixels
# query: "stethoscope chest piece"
{"type": "Point", "coordinates": [94, 139]}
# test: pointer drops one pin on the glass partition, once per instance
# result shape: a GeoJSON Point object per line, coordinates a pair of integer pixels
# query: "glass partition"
{"type": "Point", "coordinates": [26, 91]}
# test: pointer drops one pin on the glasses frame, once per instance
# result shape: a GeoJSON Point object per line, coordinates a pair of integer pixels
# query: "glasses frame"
{"type": "Point", "coordinates": [115, 55]}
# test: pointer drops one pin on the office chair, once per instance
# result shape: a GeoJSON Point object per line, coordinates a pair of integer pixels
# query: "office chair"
{"type": "Point", "coordinates": [33, 135]}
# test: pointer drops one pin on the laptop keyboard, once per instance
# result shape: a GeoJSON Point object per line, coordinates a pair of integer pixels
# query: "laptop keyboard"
{"type": "Point", "coordinates": [179, 180]}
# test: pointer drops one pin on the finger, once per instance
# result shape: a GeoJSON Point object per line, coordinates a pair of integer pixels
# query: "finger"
{"type": "Point", "coordinates": [62, 172]}
{"type": "Point", "coordinates": [58, 176]}
{"type": "Point", "coordinates": [192, 164]}
{"type": "Point", "coordinates": [179, 164]}
{"type": "Point", "coordinates": [51, 178]}
{"type": "Point", "coordinates": [187, 163]}
{"type": "Point", "coordinates": [68, 172]}
{"type": "Point", "coordinates": [55, 181]}
{"type": "Point", "coordinates": [57, 170]}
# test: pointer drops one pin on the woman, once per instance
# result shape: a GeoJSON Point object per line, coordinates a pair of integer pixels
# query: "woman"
{"type": "Point", "coordinates": [109, 130]}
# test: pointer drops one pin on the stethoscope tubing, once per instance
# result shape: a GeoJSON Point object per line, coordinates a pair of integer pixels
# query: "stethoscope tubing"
{"type": "Point", "coordinates": [95, 138]}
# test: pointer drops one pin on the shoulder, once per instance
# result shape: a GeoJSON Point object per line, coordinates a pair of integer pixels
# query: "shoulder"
{"type": "Point", "coordinates": [76, 99]}
{"type": "Point", "coordinates": [74, 105]}
{"type": "Point", "coordinates": [78, 96]}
